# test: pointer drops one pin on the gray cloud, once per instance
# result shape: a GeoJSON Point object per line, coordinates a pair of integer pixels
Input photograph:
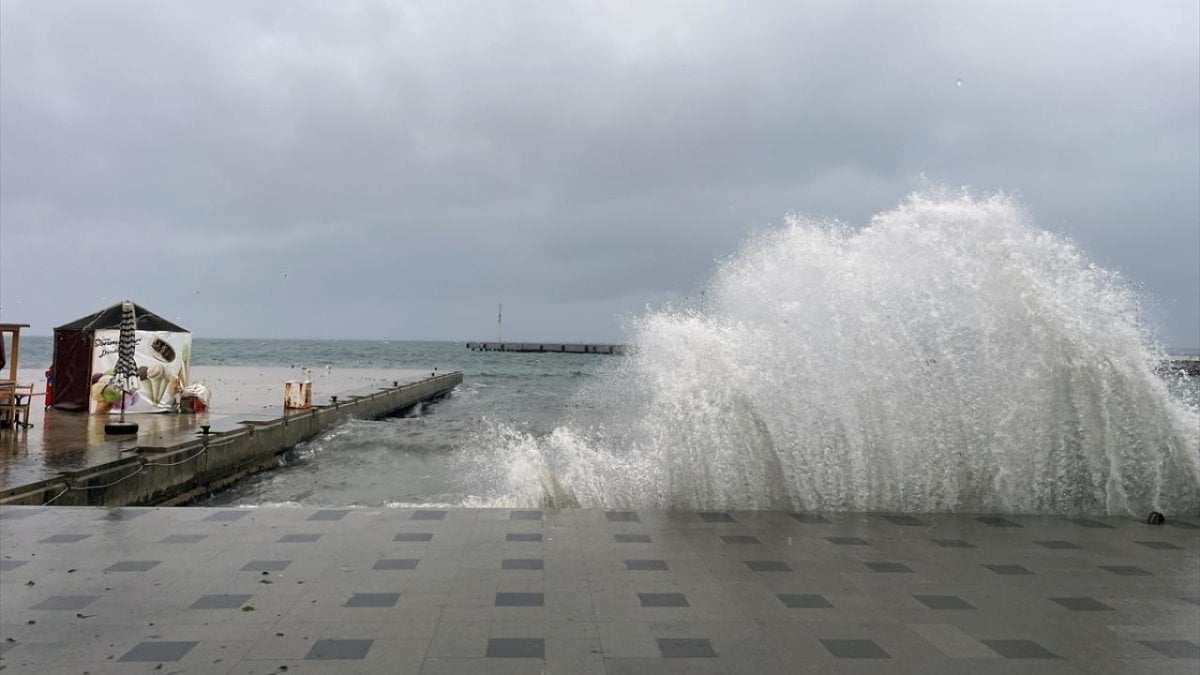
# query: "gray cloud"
{"type": "Point", "coordinates": [407, 166]}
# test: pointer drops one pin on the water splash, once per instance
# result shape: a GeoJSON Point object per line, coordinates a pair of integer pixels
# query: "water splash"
{"type": "Point", "coordinates": [948, 357]}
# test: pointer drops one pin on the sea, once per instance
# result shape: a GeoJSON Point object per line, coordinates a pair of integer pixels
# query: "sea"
{"type": "Point", "coordinates": [950, 357]}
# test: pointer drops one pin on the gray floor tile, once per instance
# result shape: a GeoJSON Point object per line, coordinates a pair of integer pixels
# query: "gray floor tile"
{"type": "Point", "coordinates": [740, 539]}
{"type": "Point", "coordinates": [325, 650]}
{"type": "Point", "coordinates": [1090, 524]}
{"type": "Point", "coordinates": [847, 541]}
{"type": "Point", "coordinates": [768, 566]}
{"type": "Point", "coordinates": [266, 565]}
{"type": "Point", "coordinates": [1126, 570]}
{"type": "Point", "coordinates": [133, 566]}
{"type": "Point", "coordinates": [804, 601]}
{"type": "Point", "coordinates": [685, 648]}
{"type": "Point", "coordinates": [997, 521]}
{"type": "Point", "coordinates": [298, 538]}
{"type": "Point", "coordinates": [520, 600]}
{"type": "Point", "coordinates": [66, 602]}
{"type": "Point", "coordinates": [905, 521]}
{"type": "Point", "coordinates": [622, 517]}
{"type": "Point", "coordinates": [523, 536]}
{"type": "Point", "coordinates": [889, 567]}
{"type": "Point", "coordinates": [522, 564]}
{"type": "Point", "coordinates": [943, 602]}
{"type": "Point", "coordinates": [663, 600]}
{"type": "Point", "coordinates": [531, 648]}
{"type": "Point", "coordinates": [413, 536]}
{"type": "Point", "coordinates": [224, 601]}
{"type": "Point", "coordinates": [329, 514]}
{"type": "Point", "coordinates": [1059, 544]}
{"type": "Point", "coordinates": [428, 514]}
{"type": "Point", "coordinates": [9, 513]}
{"type": "Point", "coordinates": [123, 514]}
{"type": "Point", "coordinates": [10, 565]}
{"type": "Point", "coordinates": [632, 538]}
{"type": "Point", "coordinates": [64, 538]}
{"type": "Point", "coordinates": [396, 564]}
{"type": "Point", "coordinates": [810, 519]}
{"type": "Point", "coordinates": [1014, 570]}
{"type": "Point", "coordinates": [1183, 524]}
{"type": "Point", "coordinates": [645, 565]}
{"type": "Point", "coordinates": [228, 516]}
{"type": "Point", "coordinates": [953, 543]}
{"type": "Point", "coordinates": [1082, 604]}
{"type": "Point", "coordinates": [158, 651]}
{"type": "Point", "coordinates": [1160, 545]}
{"type": "Point", "coordinates": [183, 539]}
{"type": "Point", "coordinates": [1019, 649]}
{"type": "Point", "coordinates": [855, 649]}
{"type": "Point", "coordinates": [7, 645]}
{"type": "Point", "coordinates": [372, 600]}
{"type": "Point", "coordinates": [1175, 649]}
{"type": "Point", "coordinates": [715, 517]}
{"type": "Point", "coordinates": [525, 515]}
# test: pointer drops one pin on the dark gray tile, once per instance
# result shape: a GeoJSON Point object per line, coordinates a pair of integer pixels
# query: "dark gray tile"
{"type": "Point", "coordinates": [228, 516]}
{"type": "Point", "coordinates": [1160, 545]}
{"type": "Point", "coordinates": [326, 650]}
{"type": "Point", "coordinates": [158, 651]}
{"type": "Point", "coordinates": [740, 539]}
{"type": "Point", "coordinates": [9, 565]}
{"type": "Point", "coordinates": [1090, 524]}
{"type": "Point", "coordinates": [1183, 525]}
{"type": "Point", "coordinates": [224, 601]}
{"type": "Point", "coordinates": [646, 565]}
{"type": "Point", "coordinates": [953, 543]}
{"type": "Point", "coordinates": [632, 538]}
{"type": "Point", "coordinates": [329, 514]}
{"type": "Point", "coordinates": [1082, 604]}
{"type": "Point", "coordinates": [997, 521]}
{"type": "Point", "coordinates": [298, 538]}
{"type": "Point", "coordinates": [622, 517]}
{"type": "Point", "coordinates": [1126, 570]}
{"type": "Point", "coordinates": [889, 567]}
{"type": "Point", "coordinates": [123, 514]}
{"type": "Point", "coordinates": [523, 536]}
{"type": "Point", "coordinates": [133, 566]}
{"type": "Point", "coordinates": [855, 649]}
{"type": "Point", "coordinates": [10, 513]}
{"type": "Point", "coordinates": [266, 565]}
{"type": "Point", "coordinates": [66, 602]}
{"type": "Point", "coordinates": [663, 600]}
{"type": "Point", "coordinates": [1008, 569]}
{"type": "Point", "coordinates": [768, 566]}
{"type": "Point", "coordinates": [847, 541]}
{"type": "Point", "coordinates": [182, 539]}
{"type": "Point", "coordinates": [1058, 544]}
{"type": "Point", "coordinates": [428, 514]}
{"type": "Point", "coordinates": [1175, 649]}
{"type": "Point", "coordinates": [905, 521]}
{"type": "Point", "coordinates": [7, 645]}
{"type": "Point", "coordinates": [943, 602]}
{"type": "Point", "coordinates": [715, 517]}
{"type": "Point", "coordinates": [64, 538]}
{"type": "Point", "coordinates": [1019, 649]}
{"type": "Point", "coordinates": [413, 536]}
{"type": "Point", "coordinates": [525, 515]}
{"type": "Point", "coordinates": [372, 600]}
{"type": "Point", "coordinates": [685, 648]}
{"type": "Point", "coordinates": [804, 601]}
{"type": "Point", "coordinates": [528, 648]}
{"type": "Point", "coordinates": [520, 600]}
{"type": "Point", "coordinates": [396, 564]}
{"type": "Point", "coordinates": [522, 564]}
{"type": "Point", "coordinates": [810, 519]}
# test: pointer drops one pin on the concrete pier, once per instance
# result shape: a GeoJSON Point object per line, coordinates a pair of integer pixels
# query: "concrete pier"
{"type": "Point", "coordinates": [552, 347]}
{"type": "Point", "coordinates": [582, 592]}
{"type": "Point", "coordinates": [174, 458]}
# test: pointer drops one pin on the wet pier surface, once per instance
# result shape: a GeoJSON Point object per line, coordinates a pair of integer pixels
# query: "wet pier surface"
{"type": "Point", "coordinates": [588, 591]}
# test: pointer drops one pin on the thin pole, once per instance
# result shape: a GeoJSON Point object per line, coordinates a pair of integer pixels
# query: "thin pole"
{"type": "Point", "coordinates": [500, 323]}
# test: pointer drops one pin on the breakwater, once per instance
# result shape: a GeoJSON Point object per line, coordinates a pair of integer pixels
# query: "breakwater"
{"type": "Point", "coordinates": [174, 468]}
{"type": "Point", "coordinates": [551, 347]}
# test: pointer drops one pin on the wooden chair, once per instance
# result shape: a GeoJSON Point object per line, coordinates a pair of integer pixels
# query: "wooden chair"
{"type": "Point", "coordinates": [14, 404]}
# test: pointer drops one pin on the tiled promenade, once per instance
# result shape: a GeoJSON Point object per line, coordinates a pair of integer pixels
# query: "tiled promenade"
{"type": "Point", "coordinates": [498, 591]}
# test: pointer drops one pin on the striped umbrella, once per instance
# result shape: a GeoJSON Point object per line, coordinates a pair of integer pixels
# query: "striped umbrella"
{"type": "Point", "coordinates": [125, 375]}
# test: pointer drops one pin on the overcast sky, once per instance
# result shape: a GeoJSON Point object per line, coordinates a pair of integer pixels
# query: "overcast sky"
{"type": "Point", "coordinates": [394, 170]}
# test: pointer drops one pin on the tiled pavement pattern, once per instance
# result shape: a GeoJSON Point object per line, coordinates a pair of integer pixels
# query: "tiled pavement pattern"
{"type": "Point", "coordinates": [180, 590]}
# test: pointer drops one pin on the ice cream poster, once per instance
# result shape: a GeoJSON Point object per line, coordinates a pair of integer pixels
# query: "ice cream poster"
{"type": "Point", "coordinates": [162, 359]}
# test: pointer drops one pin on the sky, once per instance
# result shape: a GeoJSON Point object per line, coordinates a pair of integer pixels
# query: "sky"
{"type": "Point", "coordinates": [394, 170]}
